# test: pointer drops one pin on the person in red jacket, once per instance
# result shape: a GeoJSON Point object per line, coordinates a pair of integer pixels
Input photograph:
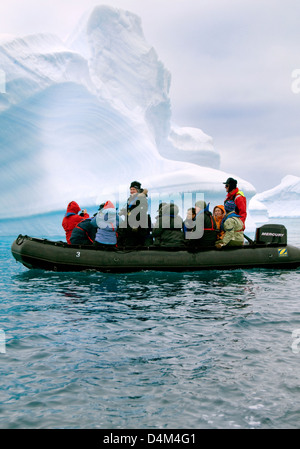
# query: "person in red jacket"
{"type": "Point", "coordinates": [71, 219]}
{"type": "Point", "coordinates": [236, 195]}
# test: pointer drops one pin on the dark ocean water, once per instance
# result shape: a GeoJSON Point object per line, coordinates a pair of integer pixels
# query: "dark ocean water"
{"type": "Point", "coordinates": [152, 350]}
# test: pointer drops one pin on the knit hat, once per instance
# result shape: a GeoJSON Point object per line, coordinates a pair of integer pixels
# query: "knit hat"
{"type": "Point", "coordinates": [108, 205]}
{"type": "Point", "coordinates": [136, 185]}
{"type": "Point", "coordinates": [161, 205]}
{"type": "Point", "coordinates": [229, 206]}
{"type": "Point", "coordinates": [201, 204]}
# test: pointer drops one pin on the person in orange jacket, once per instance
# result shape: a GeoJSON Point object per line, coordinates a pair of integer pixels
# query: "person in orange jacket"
{"type": "Point", "coordinates": [71, 219]}
{"type": "Point", "coordinates": [219, 214]}
{"type": "Point", "coordinates": [236, 195]}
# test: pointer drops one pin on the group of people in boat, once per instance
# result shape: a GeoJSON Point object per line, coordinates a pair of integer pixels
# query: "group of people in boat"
{"type": "Point", "coordinates": [132, 226]}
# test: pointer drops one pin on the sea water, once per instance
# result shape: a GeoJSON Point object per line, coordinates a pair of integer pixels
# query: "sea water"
{"type": "Point", "coordinates": [151, 350]}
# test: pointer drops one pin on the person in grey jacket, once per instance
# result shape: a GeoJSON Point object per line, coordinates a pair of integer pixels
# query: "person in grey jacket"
{"type": "Point", "coordinates": [168, 229]}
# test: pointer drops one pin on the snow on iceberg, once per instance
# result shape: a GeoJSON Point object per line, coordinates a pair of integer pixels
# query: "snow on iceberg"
{"type": "Point", "coordinates": [81, 119]}
{"type": "Point", "coordinates": [283, 200]}
{"type": "Point", "coordinates": [192, 145]}
{"type": "Point", "coordinates": [35, 62]}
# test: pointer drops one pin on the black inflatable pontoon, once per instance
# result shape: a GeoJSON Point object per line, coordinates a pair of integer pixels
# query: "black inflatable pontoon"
{"type": "Point", "coordinates": [270, 250]}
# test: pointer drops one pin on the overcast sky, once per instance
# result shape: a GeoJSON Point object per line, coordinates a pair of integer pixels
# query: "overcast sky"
{"type": "Point", "coordinates": [232, 64]}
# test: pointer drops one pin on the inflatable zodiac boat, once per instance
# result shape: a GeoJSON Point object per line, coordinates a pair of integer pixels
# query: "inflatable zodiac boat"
{"type": "Point", "coordinates": [268, 250]}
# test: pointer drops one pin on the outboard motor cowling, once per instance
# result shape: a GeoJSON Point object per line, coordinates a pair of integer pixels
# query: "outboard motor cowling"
{"type": "Point", "coordinates": [271, 234]}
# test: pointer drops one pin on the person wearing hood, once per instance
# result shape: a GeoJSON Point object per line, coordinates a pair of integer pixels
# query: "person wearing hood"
{"type": "Point", "coordinates": [204, 232]}
{"type": "Point", "coordinates": [168, 228]}
{"type": "Point", "coordinates": [236, 195]}
{"type": "Point", "coordinates": [72, 218]}
{"type": "Point", "coordinates": [107, 222]}
{"type": "Point", "coordinates": [219, 214]}
{"type": "Point", "coordinates": [233, 227]}
{"type": "Point", "coordinates": [137, 225]}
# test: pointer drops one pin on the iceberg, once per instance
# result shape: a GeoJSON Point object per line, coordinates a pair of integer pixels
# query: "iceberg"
{"type": "Point", "coordinates": [81, 119]}
{"type": "Point", "coordinates": [258, 211]}
{"type": "Point", "coordinates": [283, 201]}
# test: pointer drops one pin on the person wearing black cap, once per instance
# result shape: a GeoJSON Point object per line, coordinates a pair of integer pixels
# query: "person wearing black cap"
{"type": "Point", "coordinates": [135, 187]}
{"type": "Point", "coordinates": [236, 195]}
{"type": "Point", "coordinates": [138, 223]}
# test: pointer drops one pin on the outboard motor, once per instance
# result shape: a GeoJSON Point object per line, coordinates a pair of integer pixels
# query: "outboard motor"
{"type": "Point", "coordinates": [270, 234]}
